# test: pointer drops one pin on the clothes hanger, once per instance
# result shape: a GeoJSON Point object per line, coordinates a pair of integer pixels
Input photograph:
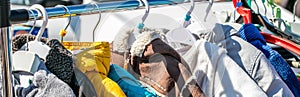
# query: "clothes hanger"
{"type": "Point", "coordinates": [32, 60]}
{"type": "Point", "coordinates": [246, 14]}
{"type": "Point", "coordinates": [63, 32]}
{"type": "Point", "coordinates": [262, 20]}
{"type": "Point", "coordinates": [77, 47]}
{"type": "Point", "coordinates": [208, 9]}
{"type": "Point", "coordinates": [295, 25]}
{"type": "Point", "coordinates": [140, 26]}
{"type": "Point", "coordinates": [98, 22]}
{"type": "Point", "coordinates": [294, 11]}
{"type": "Point", "coordinates": [181, 34]}
{"type": "Point", "coordinates": [36, 46]}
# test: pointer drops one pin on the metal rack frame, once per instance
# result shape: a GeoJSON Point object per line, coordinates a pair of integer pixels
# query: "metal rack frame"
{"type": "Point", "coordinates": [8, 17]}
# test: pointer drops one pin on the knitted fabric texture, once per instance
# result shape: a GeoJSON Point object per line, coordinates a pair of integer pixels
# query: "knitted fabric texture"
{"type": "Point", "coordinates": [144, 39]}
{"type": "Point", "coordinates": [19, 40]}
{"type": "Point", "coordinates": [121, 42]}
{"type": "Point", "coordinates": [251, 34]}
{"type": "Point", "coordinates": [59, 61]}
{"type": "Point", "coordinates": [49, 86]}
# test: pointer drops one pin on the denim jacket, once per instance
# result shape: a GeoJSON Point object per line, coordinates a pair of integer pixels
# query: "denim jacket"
{"type": "Point", "coordinates": [250, 59]}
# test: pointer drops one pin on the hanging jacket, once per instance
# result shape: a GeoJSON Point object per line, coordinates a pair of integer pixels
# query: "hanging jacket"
{"type": "Point", "coordinates": [94, 62]}
{"type": "Point", "coordinates": [161, 67]}
{"type": "Point", "coordinates": [130, 86]}
{"type": "Point", "coordinates": [252, 35]}
{"type": "Point", "coordinates": [250, 59]}
{"type": "Point", "coordinates": [217, 74]}
{"type": "Point", "coordinates": [59, 61]}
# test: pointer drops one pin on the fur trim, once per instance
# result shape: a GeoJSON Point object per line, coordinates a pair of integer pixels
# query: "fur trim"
{"type": "Point", "coordinates": [120, 43]}
{"type": "Point", "coordinates": [144, 39]}
{"type": "Point", "coordinates": [124, 40]}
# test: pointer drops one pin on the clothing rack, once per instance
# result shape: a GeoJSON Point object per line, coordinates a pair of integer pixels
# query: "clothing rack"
{"type": "Point", "coordinates": [8, 17]}
{"type": "Point", "coordinates": [22, 15]}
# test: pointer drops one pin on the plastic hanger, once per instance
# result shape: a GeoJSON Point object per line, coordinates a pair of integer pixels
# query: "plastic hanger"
{"type": "Point", "coordinates": [32, 60]}
{"type": "Point", "coordinates": [36, 46]}
{"type": "Point", "coordinates": [181, 34]}
{"type": "Point", "coordinates": [268, 37]}
{"type": "Point", "coordinates": [244, 12]}
{"type": "Point", "coordinates": [261, 20]}
{"type": "Point", "coordinates": [63, 32]}
{"type": "Point", "coordinates": [98, 22]}
{"type": "Point", "coordinates": [282, 43]}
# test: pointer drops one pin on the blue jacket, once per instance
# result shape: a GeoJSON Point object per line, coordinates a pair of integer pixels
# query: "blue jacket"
{"type": "Point", "coordinates": [251, 34]}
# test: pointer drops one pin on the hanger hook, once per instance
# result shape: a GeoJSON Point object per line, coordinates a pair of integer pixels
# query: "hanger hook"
{"type": "Point", "coordinates": [257, 7]}
{"type": "Point", "coordinates": [70, 16]}
{"type": "Point", "coordinates": [141, 25]}
{"type": "Point", "coordinates": [294, 11]}
{"type": "Point", "coordinates": [63, 32]}
{"type": "Point", "coordinates": [43, 11]}
{"type": "Point", "coordinates": [98, 22]}
{"type": "Point", "coordinates": [188, 14]}
{"type": "Point", "coordinates": [211, 2]}
{"type": "Point", "coordinates": [263, 2]}
{"type": "Point", "coordinates": [33, 26]}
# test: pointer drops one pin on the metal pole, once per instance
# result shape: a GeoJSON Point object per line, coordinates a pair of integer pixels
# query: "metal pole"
{"type": "Point", "coordinates": [5, 48]}
{"type": "Point", "coordinates": [22, 15]}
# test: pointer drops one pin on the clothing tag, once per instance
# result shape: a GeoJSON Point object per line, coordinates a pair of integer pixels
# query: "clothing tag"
{"type": "Point", "coordinates": [25, 80]}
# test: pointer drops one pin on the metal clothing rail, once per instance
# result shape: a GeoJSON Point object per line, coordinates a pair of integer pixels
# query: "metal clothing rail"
{"type": "Point", "coordinates": [22, 15]}
{"type": "Point", "coordinates": [8, 17]}
{"type": "Point", "coordinates": [5, 49]}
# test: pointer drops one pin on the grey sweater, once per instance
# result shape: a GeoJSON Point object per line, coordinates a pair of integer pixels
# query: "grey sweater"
{"type": "Point", "coordinates": [49, 86]}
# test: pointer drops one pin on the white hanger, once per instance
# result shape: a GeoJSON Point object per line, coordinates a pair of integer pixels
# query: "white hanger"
{"type": "Point", "coordinates": [26, 60]}
{"type": "Point", "coordinates": [181, 34]}
{"type": "Point", "coordinates": [140, 25]}
{"type": "Point", "coordinates": [36, 46]}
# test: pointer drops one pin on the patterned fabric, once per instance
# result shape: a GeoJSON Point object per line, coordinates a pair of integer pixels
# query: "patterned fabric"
{"type": "Point", "coordinates": [48, 85]}
{"type": "Point", "coordinates": [251, 34]}
{"type": "Point", "coordinates": [59, 61]}
{"type": "Point", "coordinates": [19, 40]}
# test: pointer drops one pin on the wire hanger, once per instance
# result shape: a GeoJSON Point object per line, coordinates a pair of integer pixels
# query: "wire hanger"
{"type": "Point", "coordinates": [208, 9]}
{"type": "Point", "coordinates": [188, 15]}
{"type": "Point", "coordinates": [294, 11]}
{"type": "Point", "coordinates": [31, 30]}
{"type": "Point", "coordinates": [98, 22]}
{"type": "Point", "coordinates": [32, 60]}
{"type": "Point", "coordinates": [36, 46]}
{"type": "Point", "coordinates": [140, 26]}
{"type": "Point", "coordinates": [63, 32]}
{"type": "Point", "coordinates": [145, 2]}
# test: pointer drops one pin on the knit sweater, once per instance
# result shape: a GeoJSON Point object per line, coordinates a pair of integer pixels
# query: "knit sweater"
{"type": "Point", "coordinates": [251, 34]}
